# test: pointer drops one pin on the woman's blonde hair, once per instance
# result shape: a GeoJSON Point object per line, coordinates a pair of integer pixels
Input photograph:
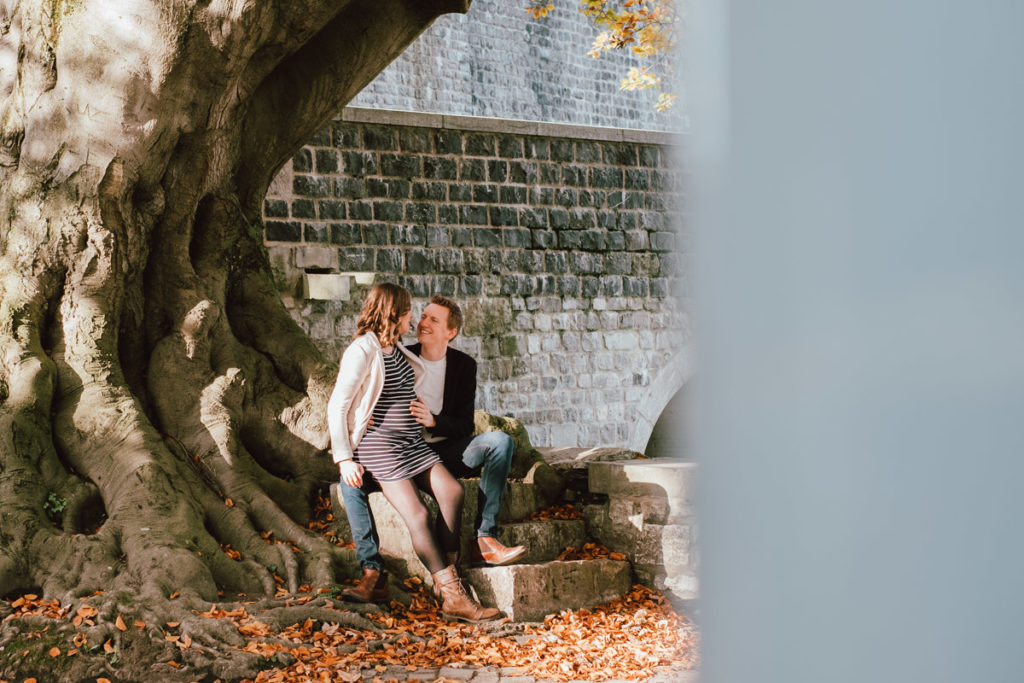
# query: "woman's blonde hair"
{"type": "Point", "coordinates": [384, 305]}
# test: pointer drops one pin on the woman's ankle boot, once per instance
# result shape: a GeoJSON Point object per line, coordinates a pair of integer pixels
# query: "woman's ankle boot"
{"type": "Point", "coordinates": [456, 602]}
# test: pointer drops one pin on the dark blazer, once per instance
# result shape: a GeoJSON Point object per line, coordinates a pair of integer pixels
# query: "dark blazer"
{"type": "Point", "coordinates": [455, 420]}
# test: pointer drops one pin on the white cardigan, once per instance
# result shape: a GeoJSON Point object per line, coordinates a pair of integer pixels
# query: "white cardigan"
{"type": "Point", "coordinates": [360, 382]}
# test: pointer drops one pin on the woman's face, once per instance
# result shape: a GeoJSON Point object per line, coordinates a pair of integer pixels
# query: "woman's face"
{"type": "Point", "coordinates": [404, 323]}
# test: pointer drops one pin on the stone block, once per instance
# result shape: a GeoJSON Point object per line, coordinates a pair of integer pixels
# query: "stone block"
{"type": "Point", "coordinates": [544, 539]}
{"type": "Point", "coordinates": [529, 592]}
{"type": "Point", "coordinates": [644, 478]}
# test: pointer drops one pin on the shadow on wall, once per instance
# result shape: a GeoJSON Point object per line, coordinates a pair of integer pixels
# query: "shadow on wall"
{"type": "Point", "coordinates": [669, 439]}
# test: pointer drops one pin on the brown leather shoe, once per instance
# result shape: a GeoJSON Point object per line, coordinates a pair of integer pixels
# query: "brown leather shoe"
{"type": "Point", "coordinates": [373, 587]}
{"type": "Point", "coordinates": [488, 549]}
{"type": "Point", "coordinates": [456, 602]}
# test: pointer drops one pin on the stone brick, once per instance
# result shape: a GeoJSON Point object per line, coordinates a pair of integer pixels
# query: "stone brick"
{"type": "Point", "coordinates": [414, 139]}
{"type": "Point", "coordinates": [472, 170]}
{"type": "Point", "coordinates": [275, 208]}
{"type": "Point", "coordinates": [503, 215]}
{"type": "Point", "coordinates": [635, 286]}
{"type": "Point", "coordinates": [359, 259]}
{"type": "Point", "coordinates": [479, 144]}
{"type": "Point", "coordinates": [470, 285]}
{"type": "Point", "coordinates": [375, 234]}
{"type": "Point", "coordinates": [550, 173]}
{"type": "Point", "coordinates": [618, 263]}
{"type": "Point", "coordinates": [616, 240]}
{"type": "Point", "coordinates": [303, 208]}
{"type": "Point", "coordinates": [486, 193]}
{"type": "Point", "coordinates": [420, 212]}
{"type": "Point", "coordinates": [561, 150]}
{"type": "Point", "coordinates": [594, 198]}
{"type": "Point", "coordinates": [605, 176]}
{"type": "Point", "coordinates": [568, 285]}
{"type": "Point", "coordinates": [389, 260]}
{"type": "Point", "coordinates": [497, 171]}
{"type": "Point", "coordinates": [611, 285]}
{"type": "Point", "coordinates": [536, 148]}
{"type": "Point", "coordinates": [433, 191]}
{"type": "Point", "coordinates": [407, 234]}
{"type": "Point", "coordinates": [463, 237]}
{"type": "Point", "coordinates": [343, 135]}
{"type": "Point", "coordinates": [447, 214]}
{"type": "Point", "coordinates": [400, 165]}
{"type": "Point", "coordinates": [558, 218]}
{"type": "Point", "coordinates": [380, 138]}
{"type": "Point", "coordinates": [283, 231]}
{"type": "Point", "coordinates": [636, 240]}
{"type": "Point", "coordinates": [315, 232]}
{"type": "Point", "coordinates": [517, 237]}
{"type": "Point", "coordinates": [460, 193]}
{"type": "Point", "coordinates": [326, 161]}
{"type": "Point", "coordinates": [440, 168]}
{"type": "Point", "coordinates": [349, 188]}
{"type": "Point", "coordinates": [525, 172]}
{"type": "Point", "coordinates": [637, 179]}
{"type": "Point", "coordinates": [513, 194]}
{"type": "Point", "coordinates": [448, 142]}
{"type": "Point", "coordinates": [302, 162]}
{"type": "Point", "coordinates": [510, 146]}
{"type": "Point", "coordinates": [582, 219]}
{"type": "Point", "coordinates": [331, 210]}
{"type": "Point", "coordinates": [312, 186]}
{"type": "Point", "coordinates": [663, 241]}
{"type": "Point", "coordinates": [419, 261]}
{"type": "Point", "coordinates": [359, 164]}
{"type": "Point", "coordinates": [569, 239]}
{"type": "Point", "coordinates": [345, 233]}
{"type": "Point", "coordinates": [449, 260]}
{"type": "Point", "coordinates": [588, 152]}
{"type": "Point", "coordinates": [473, 214]}
{"type": "Point", "coordinates": [620, 154]}
{"type": "Point", "coordinates": [322, 137]}
{"type": "Point", "coordinates": [627, 221]}
{"type": "Point", "coordinates": [487, 237]}
{"type": "Point", "coordinates": [532, 217]}
{"type": "Point", "coordinates": [566, 197]}
{"type": "Point", "coordinates": [387, 211]}
{"type": "Point", "coordinates": [360, 211]}
{"type": "Point", "coordinates": [593, 240]}
{"type": "Point", "coordinates": [544, 239]}
{"type": "Point", "coordinates": [649, 156]}
{"type": "Point", "coordinates": [574, 175]}
{"type": "Point", "coordinates": [589, 288]}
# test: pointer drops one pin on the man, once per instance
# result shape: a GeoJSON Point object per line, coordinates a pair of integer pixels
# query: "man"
{"type": "Point", "coordinates": [444, 406]}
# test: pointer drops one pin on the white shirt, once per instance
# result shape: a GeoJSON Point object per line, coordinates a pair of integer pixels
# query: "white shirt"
{"type": "Point", "coordinates": [430, 389]}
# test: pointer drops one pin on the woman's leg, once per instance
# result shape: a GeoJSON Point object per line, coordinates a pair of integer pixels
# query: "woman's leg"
{"type": "Point", "coordinates": [447, 491]}
{"type": "Point", "coordinates": [405, 498]}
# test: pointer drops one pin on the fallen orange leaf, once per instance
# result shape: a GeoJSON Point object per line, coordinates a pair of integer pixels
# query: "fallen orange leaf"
{"type": "Point", "coordinates": [54, 651]}
{"type": "Point", "coordinates": [108, 648]}
{"type": "Point", "coordinates": [119, 623]}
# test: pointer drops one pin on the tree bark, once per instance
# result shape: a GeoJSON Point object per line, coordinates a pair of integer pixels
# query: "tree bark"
{"type": "Point", "coordinates": [157, 401]}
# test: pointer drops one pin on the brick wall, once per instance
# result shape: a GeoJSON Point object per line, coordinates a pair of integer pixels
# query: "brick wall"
{"type": "Point", "coordinates": [557, 240]}
{"type": "Point", "coordinates": [540, 71]}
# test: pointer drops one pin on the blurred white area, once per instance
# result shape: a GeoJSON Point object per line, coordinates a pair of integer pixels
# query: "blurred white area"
{"type": "Point", "coordinates": [857, 260]}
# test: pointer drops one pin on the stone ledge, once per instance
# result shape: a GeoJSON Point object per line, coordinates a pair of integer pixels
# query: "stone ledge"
{"type": "Point", "coordinates": [544, 539]}
{"type": "Point", "coordinates": [656, 477]}
{"type": "Point", "coordinates": [485, 124]}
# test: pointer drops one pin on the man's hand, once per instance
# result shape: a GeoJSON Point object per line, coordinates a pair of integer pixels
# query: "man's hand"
{"type": "Point", "coordinates": [351, 473]}
{"type": "Point", "coordinates": [421, 413]}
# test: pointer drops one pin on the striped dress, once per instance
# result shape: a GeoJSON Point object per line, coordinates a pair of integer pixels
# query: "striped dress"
{"type": "Point", "coordinates": [393, 448]}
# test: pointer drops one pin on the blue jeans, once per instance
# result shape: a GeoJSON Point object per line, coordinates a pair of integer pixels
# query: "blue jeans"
{"type": "Point", "coordinates": [488, 455]}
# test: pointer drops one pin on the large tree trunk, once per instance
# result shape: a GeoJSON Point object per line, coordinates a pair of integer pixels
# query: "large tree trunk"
{"type": "Point", "coordinates": [150, 378]}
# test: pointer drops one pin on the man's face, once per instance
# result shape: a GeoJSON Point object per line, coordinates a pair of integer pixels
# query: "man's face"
{"type": "Point", "coordinates": [433, 326]}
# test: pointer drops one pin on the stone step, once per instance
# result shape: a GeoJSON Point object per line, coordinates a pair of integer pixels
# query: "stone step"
{"type": "Point", "coordinates": [529, 592]}
{"type": "Point", "coordinates": [544, 539]}
{"type": "Point", "coordinates": [646, 478]}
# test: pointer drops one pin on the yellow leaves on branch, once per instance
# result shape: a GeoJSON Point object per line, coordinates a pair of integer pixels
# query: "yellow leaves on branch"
{"type": "Point", "coordinates": [648, 28]}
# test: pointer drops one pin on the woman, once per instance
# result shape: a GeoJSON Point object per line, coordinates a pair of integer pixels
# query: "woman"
{"type": "Point", "coordinates": [372, 427]}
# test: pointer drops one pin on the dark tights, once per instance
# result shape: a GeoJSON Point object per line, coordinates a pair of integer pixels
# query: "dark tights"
{"type": "Point", "coordinates": [430, 545]}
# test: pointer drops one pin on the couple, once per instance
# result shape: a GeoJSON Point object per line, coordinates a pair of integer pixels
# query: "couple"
{"type": "Point", "coordinates": [402, 419]}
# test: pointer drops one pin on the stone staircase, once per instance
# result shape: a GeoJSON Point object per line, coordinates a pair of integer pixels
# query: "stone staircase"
{"type": "Point", "coordinates": [638, 507]}
{"type": "Point", "coordinates": [536, 585]}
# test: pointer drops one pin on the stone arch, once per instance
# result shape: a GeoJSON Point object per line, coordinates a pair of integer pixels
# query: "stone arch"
{"type": "Point", "coordinates": [669, 381]}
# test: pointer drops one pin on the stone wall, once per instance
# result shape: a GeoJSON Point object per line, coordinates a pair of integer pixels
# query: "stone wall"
{"type": "Point", "coordinates": [541, 71]}
{"type": "Point", "coordinates": [557, 240]}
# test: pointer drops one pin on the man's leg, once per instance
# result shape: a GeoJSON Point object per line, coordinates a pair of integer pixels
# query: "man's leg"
{"type": "Point", "coordinates": [373, 586]}
{"type": "Point", "coordinates": [490, 454]}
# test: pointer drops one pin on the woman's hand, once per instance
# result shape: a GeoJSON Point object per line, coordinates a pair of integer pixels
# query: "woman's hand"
{"type": "Point", "coordinates": [421, 413]}
{"type": "Point", "coordinates": [351, 473]}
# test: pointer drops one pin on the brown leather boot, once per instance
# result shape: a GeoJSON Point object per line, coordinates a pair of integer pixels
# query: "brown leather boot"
{"type": "Point", "coordinates": [456, 602]}
{"type": "Point", "coordinates": [491, 551]}
{"type": "Point", "coordinates": [373, 587]}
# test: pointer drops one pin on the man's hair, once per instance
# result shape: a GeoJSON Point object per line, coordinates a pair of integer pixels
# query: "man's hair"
{"type": "Point", "coordinates": [384, 305]}
{"type": "Point", "coordinates": [454, 312]}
